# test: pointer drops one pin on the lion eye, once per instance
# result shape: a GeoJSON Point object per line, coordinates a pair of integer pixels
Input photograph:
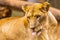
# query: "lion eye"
{"type": "Point", "coordinates": [28, 17]}
{"type": "Point", "coordinates": [37, 16]}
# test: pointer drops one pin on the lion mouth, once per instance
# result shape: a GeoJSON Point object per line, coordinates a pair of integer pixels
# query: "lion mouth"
{"type": "Point", "coordinates": [36, 32]}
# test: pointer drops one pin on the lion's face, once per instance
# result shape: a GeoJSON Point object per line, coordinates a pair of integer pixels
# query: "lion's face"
{"type": "Point", "coordinates": [36, 15]}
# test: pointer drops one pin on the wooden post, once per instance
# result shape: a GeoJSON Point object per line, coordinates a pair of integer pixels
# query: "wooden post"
{"type": "Point", "coordinates": [15, 4]}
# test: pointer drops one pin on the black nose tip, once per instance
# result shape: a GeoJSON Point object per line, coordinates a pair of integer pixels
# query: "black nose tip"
{"type": "Point", "coordinates": [33, 29]}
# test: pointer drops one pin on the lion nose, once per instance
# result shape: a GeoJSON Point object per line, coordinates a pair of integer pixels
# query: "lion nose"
{"type": "Point", "coordinates": [32, 27]}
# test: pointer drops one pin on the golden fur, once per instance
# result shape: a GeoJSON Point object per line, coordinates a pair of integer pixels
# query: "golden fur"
{"type": "Point", "coordinates": [37, 24]}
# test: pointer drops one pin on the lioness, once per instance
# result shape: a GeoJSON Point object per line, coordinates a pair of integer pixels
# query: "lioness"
{"type": "Point", "coordinates": [37, 24]}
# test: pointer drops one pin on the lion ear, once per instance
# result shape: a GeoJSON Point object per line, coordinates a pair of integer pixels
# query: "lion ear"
{"type": "Point", "coordinates": [27, 8]}
{"type": "Point", "coordinates": [46, 6]}
{"type": "Point", "coordinates": [24, 8]}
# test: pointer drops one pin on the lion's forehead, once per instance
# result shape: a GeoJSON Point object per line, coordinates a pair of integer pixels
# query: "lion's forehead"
{"type": "Point", "coordinates": [36, 9]}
